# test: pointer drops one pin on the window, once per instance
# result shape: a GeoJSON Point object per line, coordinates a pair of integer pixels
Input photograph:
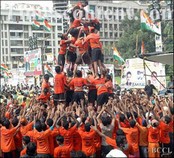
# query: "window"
{"type": "Point", "coordinates": [5, 34]}
{"type": "Point", "coordinates": [17, 50]}
{"type": "Point", "coordinates": [16, 43]}
{"type": "Point", "coordinates": [59, 20]}
{"type": "Point", "coordinates": [54, 20]}
{"type": "Point", "coordinates": [106, 35]}
{"type": "Point", "coordinates": [115, 26]}
{"type": "Point", "coordinates": [111, 34]}
{"type": "Point", "coordinates": [26, 43]}
{"type": "Point", "coordinates": [105, 26]}
{"type": "Point", "coordinates": [6, 43]}
{"type": "Point", "coordinates": [14, 65]}
{"type": "Point", "coordinates": [25, 28]}
{"type": "Point", "coordinates": [2, 42]}
{"type": "Point", "coordinates": [2, 34]}
{"type": "Point", "coordinates": [116, 34]}
{"type": "Point", "coordinates": [110, 27]}
{"type": "Point", "coordinates": [15, 27]}
{"type": "Point", "coordinates": [12, 34]}
{"type": "Point", "coordinates": [26, 18]}
{"type": "Point", "coordinates": [59, 28]}
{"type": "Point", "coordinates": [48, 50]}
{"type": "Point", "coordinates": [101, 34]}
{"type": "Point", "coordinates": [26, 35]}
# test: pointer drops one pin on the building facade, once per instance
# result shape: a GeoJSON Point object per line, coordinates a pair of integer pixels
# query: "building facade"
{"type": "Point", "coordinates": [16, 28]}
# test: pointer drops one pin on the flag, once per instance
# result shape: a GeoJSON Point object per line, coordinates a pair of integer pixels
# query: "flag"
{"type": "Point", "coordinates": [3, 67]}
{"type": "Point", "coordinates": [7, 75]}
{"type": "Point", "coordinates": [117, 56]}
{"type": "Point", "coordinates": [47, 26]}
{"type": "Point", "coordinates": [147, 24]}
{"type": "Point", "coordinates": [36, 24]}
{"type": "Point", "coordinates": [142, 48]}
{"type": "Point", "coordinates": [39, 16]}
{"type": "Point", "coordinates": [48, 70]}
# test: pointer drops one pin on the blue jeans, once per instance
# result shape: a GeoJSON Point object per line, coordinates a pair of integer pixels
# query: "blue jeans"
{"type": "Point", "coordinates": [143, 152]}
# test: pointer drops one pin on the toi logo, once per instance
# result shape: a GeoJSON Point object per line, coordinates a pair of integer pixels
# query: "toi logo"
{"type": "Point", "coordinates": [162, 150]}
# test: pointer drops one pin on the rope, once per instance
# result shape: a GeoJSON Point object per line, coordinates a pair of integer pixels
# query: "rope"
{"type": "Point", "coordinates": [154, 75]}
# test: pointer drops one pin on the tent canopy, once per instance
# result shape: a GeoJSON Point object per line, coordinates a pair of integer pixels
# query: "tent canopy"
{"type": "Point", "coordinates": [164, 58]}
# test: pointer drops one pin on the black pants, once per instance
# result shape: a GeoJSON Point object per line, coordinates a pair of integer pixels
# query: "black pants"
{"type": "Point", "coordinates": [8, 155]}
{"type": "Point", "coordinates": [105, 150]}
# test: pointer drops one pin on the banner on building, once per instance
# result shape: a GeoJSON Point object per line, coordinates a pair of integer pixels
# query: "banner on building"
{"type": "Point", "coordinates": [32, 62]}
{"type": "Point", "coordinates": [158, 40]}
{"type": "Point", "coordinates": [133, 75]}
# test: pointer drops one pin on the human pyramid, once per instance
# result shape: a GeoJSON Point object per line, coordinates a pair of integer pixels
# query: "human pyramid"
{"type": "Point", "coordinates": [80, 117]}
{"type": "Point", "coordinates": [84, 46]}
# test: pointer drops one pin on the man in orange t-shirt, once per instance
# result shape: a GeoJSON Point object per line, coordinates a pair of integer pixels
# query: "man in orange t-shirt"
{"type": "Point", "coordinates": [25, 126]}
{"type": "Point", "coordinates": [109, 85]}
{"type": "Point", "coordinates": [64, 42]}
{"type": "Point", "coordinates": [82, 49]}
{"type": "Point", "coordinates": [94, 41]}
{"type": "Point", "coordinates": [88, 144]}
{"type": "Point", "coordinates": [143, 138]}
{"type": "Point", "coordinates": [102, 91]}
{"type": "Point", "coordinates": [78, 82]}
{"type": "Point", "coordinates": [25, 141]}
{"type": "Point", "coordinates": [42, 139]}
{"type": "Point", "coordinates": [153, 139]}
{"type": "Point", "coordinates": [132, 136]}
{"type": "Point", "coordinates": [67, 133]}
{"type": "Point", "coordinates": [45, 83]}
{"type": "Point", "coordinates": [7, 139]}
{"type": "Point", "coordinates": [61, 151]}
{"type": "Point", "coordinates": [164, 127]}
{"type": "Point", "coordinates": [59, 86]}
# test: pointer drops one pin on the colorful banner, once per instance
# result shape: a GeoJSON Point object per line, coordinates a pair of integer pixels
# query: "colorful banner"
{"type": "Point", "coordinates": [32, 62]}
{"type": "Point", "coordinates": [133, 75]}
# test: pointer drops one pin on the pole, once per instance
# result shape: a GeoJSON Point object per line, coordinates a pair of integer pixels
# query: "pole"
{"type": "Point", "coordinates": [145, 71]}
{"type": "Point", "coordinates": [137, 40]}
{"type": "Point", "coordinates": [42, 59]}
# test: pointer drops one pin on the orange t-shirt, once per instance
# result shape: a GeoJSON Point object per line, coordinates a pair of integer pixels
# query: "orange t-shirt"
{"type": "Point", "coordinates": [25, 129]}
{"type": "Point", "coordinates": [132, 137]}
{"type": "Point", "coordinates": [83, 48]}
{"type": "Point", "coordinates": [62, 152]}
{"type": "Point", "coordinates": [59, 83]}
{"type": "Point", "coordinates": [44, 97]}
{"type": "Point", "coordinates": [51, 139]}
{"type": "Point", "coordinates": [18, 140]}
{"type": "Point", "coordinates": [97, 140]}
{"type": "Point", "coordinates": [100, 85]}
{"type": "Point", "coordinates": [90, 78]}
{"type": "Point", "coordinates": [164, 132]}
{"type": "Point", "coordinates": [77, 141]}
{"type": "Point", "coordinates": [72, 49]}
{"type": "Point", "coordinates": [31, 134]}
{"type": "Point", "coordinates": [76, 23]}
{"type": "Point", "coordinates": [63, 47]}
{"type": "Point", "coordinates": [94, 40]}
{"type": "Point", "coordinates": [7, 139]}
{"type": "Point", "coordinates": [45, 85]}
{"type": "Point", "coordinates": [153, 135]}
{"type": "Point", "coordinates": [23, 152]}
{"type": "Point", "coordinates": [125, 124]}
{"type": "Point", "coordinates": [109, 86]}
{"type": "Point", "coordinates": [42, 141]}
{"type": "Point", "coordinates": [143, 137]}
{"type": "Point", "coordinates": [68, 136]}
{"type": "Point", "coordinates": [78, 83]}
{"type": "Point", "coordinates": [23, 104]}
{"type": "Point", "coordinates": [88, 145]}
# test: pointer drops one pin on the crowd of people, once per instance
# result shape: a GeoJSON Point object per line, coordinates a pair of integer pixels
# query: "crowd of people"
{"type": "Point", "coordinates": [80, 117]}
